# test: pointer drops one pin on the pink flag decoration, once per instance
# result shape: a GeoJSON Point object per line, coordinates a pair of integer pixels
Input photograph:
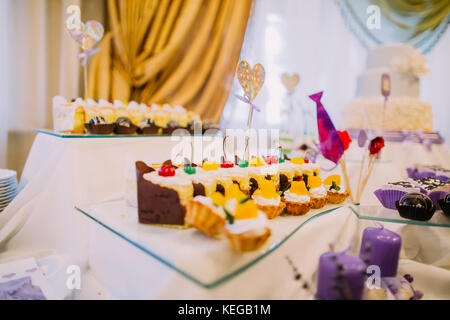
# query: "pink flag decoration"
{"type": "Point", "coordinates": [330, 144]}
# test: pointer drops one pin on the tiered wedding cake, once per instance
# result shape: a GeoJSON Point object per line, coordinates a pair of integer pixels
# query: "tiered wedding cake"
{"type": "Point", "coordinates": [404, 110]}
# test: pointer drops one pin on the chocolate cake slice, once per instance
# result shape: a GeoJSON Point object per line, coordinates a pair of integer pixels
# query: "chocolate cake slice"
{"type": "Point", "coordinates": [157, 204]}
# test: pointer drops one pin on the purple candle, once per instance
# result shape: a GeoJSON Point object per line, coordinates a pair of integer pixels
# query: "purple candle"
{"type": "Point", "coordinates": [381, 247]}
{"type": "Point", "coordinates": [341, 276]}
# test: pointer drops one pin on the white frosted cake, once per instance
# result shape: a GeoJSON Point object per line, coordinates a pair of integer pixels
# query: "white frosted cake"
{"type": "Point", "coordinates": [404, 109]}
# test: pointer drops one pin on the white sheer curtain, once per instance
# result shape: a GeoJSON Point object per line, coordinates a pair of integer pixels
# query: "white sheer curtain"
{"type": "Point", "coordinates": [37, 62]}
{"type": "Point", "coordinates": [311, 38]}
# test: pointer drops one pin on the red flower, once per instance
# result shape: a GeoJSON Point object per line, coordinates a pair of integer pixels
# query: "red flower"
{"type": "Point", "coordinates": [376, 145]}
{"type": "Point", "coordinates": [345, 138]}
{"type": "Point", "coordinates": [166, 171]}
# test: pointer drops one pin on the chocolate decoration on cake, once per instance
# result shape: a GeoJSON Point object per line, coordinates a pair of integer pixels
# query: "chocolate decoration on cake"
{"type": "Point", "coordinates": [148, 126]}
{"type": "Point", "coordinates": [253, 185]}
{"type": "Point", "coordinates": [98, 125]}
{"type": "Point", "coordinates": [268, 177]}
{"type": "Point", "coordinates": [211, 127]}
{"type": "Point", "coordinates": [305, 178]}
{"type": "Point", "coordinates": [415, 206]}
{"type": "Point", "coordinates": [194, 127]}
{"type": "Point", "coordinates": [156, 204]}
{"type": "Point", "coordinates": [125, 126]}
{"type": "Point", "coordinates": [220, 188]}
{"type": "Point", "coordinates": [171, 127]}
{"type": "Point", "coordinates": [169, 163]}
{"type": "Point", "coordinates": [284, 182]}
{"type": "Point", "coordinates": [199, 189]}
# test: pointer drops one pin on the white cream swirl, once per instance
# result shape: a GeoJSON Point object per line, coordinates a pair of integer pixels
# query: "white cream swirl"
{"type": "Point", "coordinates": [266, 202]}
{"type": "Point", "coordinates": [210, 204]}
{"type": "Point", "coordinates": [256, 226]}
{"type": "Point", "coordinates": [318, 192]}
{"type": "Point", "coordinates": [293, 197]}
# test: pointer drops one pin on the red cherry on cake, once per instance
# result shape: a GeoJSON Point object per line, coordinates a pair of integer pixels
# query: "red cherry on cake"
{"type": "Point", "coordinates": [227, 164]}
{"type": "Point", "coordinates": [306, 160]}
{"type": "Point", "coordinates": [166, 171]}
{"type": "Point", "coordinates": [271, 160]}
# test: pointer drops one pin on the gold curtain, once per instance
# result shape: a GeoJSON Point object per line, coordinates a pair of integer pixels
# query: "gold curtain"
{"type": "Point", "coordinates": [171, 51]}
{"type": "Point", "coordinates": [429, 13]}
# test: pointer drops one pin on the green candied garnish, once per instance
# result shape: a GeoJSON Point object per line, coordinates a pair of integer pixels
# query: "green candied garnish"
{"type": "Point", "coordinates": [280, 160]}
{"type": "Point", "coordinates": [244, 200]}
{"type": "Point", "coordinates": [243, 163]}
{"type": "Point", "coordinates": [229, 216]}
{"type": "Point", "coordinates": [189, 169]}
{"type": "Point", "coordinates": [335, 186]}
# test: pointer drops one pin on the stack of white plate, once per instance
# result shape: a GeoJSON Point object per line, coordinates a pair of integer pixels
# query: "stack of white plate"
{"type": "Point", "coordinates": [8, 187]}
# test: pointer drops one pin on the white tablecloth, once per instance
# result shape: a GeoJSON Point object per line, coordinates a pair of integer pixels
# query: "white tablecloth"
{"type": "Point", "coordinates": [61, 173]}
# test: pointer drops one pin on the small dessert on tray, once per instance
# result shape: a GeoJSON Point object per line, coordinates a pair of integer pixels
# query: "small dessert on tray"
{"type": "Point", "coordinates": [415, 206]}
{"type": "Point", "coordinates": [297, 199]}
{"type": "Point", "coordinates": [268, 200]}
{"type": "Point", "coordinates": [318, 193]}
{"type": "Point", "coordinates": [435, 188]}
{"type": "Point", "coordinates": [246, 226]}
{"type": "Point", "coordinates": [389, 193]}
{"type": "Point", "coordinates": [336, 194]}
{"type": "Point", "coordinates": [207, 214]}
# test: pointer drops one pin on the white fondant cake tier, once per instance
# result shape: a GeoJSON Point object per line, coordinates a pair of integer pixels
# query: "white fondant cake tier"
{"type": "Point", "coordinates": [383, 55]}
{"type": "Point", "coordinates": [402, 84]}
{"type": "Point", "coordinates": [402, 113]}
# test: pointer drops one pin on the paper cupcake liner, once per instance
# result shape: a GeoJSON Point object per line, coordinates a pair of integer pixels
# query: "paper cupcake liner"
{"type": "Point", "coordinates": [246, 242]}
{"type": "Point", "coordinates": [387, 197]}
{"type": "Point", "coordinates": [272, 211]}
{"type": "Point", "coordinates": [204, 218]}
{"type": "Point", "coordinates": [297, 208]}
{"type": "Point", "coordinates": [435, 196]}
{"type": "Point", "coordinates": [336, 197]}
{"type": "Point", "coordinates": [317, 203]}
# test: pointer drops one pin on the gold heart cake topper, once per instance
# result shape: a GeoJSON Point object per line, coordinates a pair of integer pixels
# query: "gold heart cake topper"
{"type": "Point", "coordinates": [251, 80]}
{"type": "Point", "coordinates": [290, 81]}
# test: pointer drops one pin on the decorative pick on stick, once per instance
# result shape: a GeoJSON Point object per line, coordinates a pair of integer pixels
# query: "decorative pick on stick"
{"type": "Point", "coordinates": [87, 35]}
{"type": "Point", "coordinates": [386, 92]}
{"type": "Point", "coordinates": [375, 147]}
{"type": "Point", "coordinates": [332, 143]}
{"type": "Point", "coordinates": [251, 82]}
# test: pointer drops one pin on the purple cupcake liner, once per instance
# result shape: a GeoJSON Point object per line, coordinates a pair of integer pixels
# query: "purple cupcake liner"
{"type": "Point", "coordinates": [435, 196]}
{"type": "Point", "coordinates": [414, 173]}
{"type": "Point", "coordinates": [387, 197]}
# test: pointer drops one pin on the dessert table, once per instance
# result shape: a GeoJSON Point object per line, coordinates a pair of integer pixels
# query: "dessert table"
{"type": "Point", "coordinates": [62, 173]}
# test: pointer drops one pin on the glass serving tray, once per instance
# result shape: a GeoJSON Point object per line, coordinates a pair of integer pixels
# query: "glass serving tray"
{"type": "Point", "coordinates": [380, 213]}
{"type": "Point", "coordinates": [111, 136]}
{"type": "Point", "coordinates": [207, 262]}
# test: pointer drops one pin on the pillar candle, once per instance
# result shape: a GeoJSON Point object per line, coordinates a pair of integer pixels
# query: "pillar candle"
{"type": "Point", "coordinates": [381, 247]}
{"type": "Point", "coordinates": [341, 276]}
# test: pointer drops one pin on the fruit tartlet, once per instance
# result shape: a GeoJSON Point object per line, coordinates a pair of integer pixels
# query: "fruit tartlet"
{"type": "Point", "coordinates": [336, 194]}
{"type": "Point", "coordinates": [297, 199]}
{"type": "Point", "coordinates": [318, 193]}
{"type": "Point", "coordinates": [207, 214]}
{"type": "Point", "coordinates": [246, 226]}
{"type": "Point", "coordinates": [268, 200]}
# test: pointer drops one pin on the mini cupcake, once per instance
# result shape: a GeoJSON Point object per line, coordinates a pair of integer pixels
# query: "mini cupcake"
{"type": "Point", "coordinates": [148, 126]}
{"type": "Point", "coordinates": [268, 200]}
{"type": "Point", "coordinates": [246, 227]}
{"type": "Point", "coordinates": [207, 214]}
{"type": "Point", "coordinates": [297, 199]}
{"type": "Point", "coordinates": [336, 194]}
{"type": "Point", "coordinates": [415, 206]}
{"type": "Point", "coordinates": [318, 193]}
{"type": "Point", "coordinates": [433, 187]}
{"type": "Point", "coordinates": [124, 125]}
{"type": "Point", "coordinates": [98, 125]}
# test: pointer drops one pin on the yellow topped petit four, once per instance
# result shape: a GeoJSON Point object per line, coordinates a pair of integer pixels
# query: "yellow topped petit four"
{"type": "Point", "coordinates": [257, 162]}
{"type": "Point", "coordinates": [218, 199]}
{"type": "Point", "coordinates": [298, 161]}
{"type": "Point", "coordinates": [210, 165]}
